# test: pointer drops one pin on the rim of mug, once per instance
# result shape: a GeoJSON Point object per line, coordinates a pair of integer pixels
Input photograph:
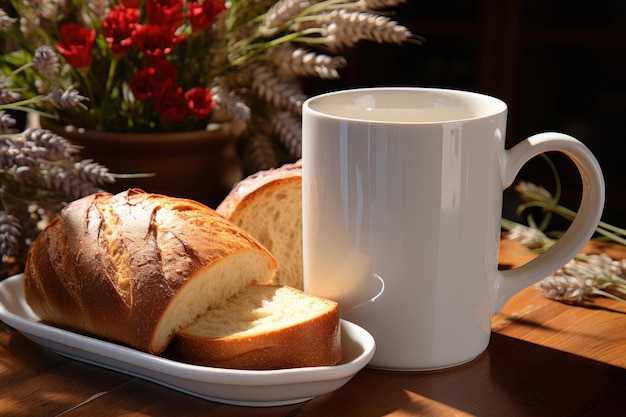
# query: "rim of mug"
{"type": "Point", "coordinates": [496, 105]}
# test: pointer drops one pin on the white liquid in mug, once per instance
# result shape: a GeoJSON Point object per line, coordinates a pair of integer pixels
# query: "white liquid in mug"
{"type": "Point", "coordinates": [365, 108]}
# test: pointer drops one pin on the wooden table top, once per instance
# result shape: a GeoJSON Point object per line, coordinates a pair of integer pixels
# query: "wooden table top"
{"type": "Point", "coordinates": [545, 359]}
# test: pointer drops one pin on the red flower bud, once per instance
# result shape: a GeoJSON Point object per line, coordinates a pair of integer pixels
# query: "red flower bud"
{"type": "Point", "coordinates": [76, 43]}
{"type": "Point", "coordinates": [165, 12]}
{"type": "Point", "coordinates": [143, 84]}
{"type": "Point", "coordinates": [156, 41]}
{"type": "Point", "coordinates": [201, 16]}
{"type": "Point", "coordinates": [172, 105]}
{"type": "Point", "coordinates": [151, 81]}
{"type": "Point", "coordinates": [118, 27]}
{"type": "Point", "coordinates": [199, 101]}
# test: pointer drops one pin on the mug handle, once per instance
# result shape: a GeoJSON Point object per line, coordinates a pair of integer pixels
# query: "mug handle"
{"type": "Point", "coordinates": [510, 282]}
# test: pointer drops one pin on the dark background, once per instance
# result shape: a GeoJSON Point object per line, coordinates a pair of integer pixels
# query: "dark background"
{"type": "Point", "coordinates": [559, 65]}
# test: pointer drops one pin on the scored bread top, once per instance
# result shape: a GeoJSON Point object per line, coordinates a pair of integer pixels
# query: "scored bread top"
{"type": "Point", "coordinates": [268, 205]}
{"type": "Point", "coordinates": [136, 267]}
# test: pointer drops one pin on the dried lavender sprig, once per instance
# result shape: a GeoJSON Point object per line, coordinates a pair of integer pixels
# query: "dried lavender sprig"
{"type": "Point", "coordinates": [35, 144]}
{"type": "Point", "coordinates": [13, 156]}
{"type": "Point", "coordinates": [43, 9]}
{"type": "Point", "coordinates": [6, 21]}
{"type": "Point", "coordinates": [34, 157]}
{"type": "Point", "coordinates": [562, 287]}
{"type": "Point", "coordinates": [46, 61]}
{"type": "Point", "coordinates": [62, 99]}
{"type": "Point", "coordinates": [601, 269]}
{"type": "Point", "coordinates": [302, 62]}
{"type": "Point", "coordinates": [346, 28]}
{"type": "Point", "coordinates": [99, 8]}
{"type": "Point", "coordinates": [536, 196]}
{"type": "Point", "coordinates": [282, 11]}
{"type": "Point", "coordinates": [93, 173]}
{"type": "Point", "coordinates": [56, 147]}
{"type": "Point", "coordinates": [258, 152]}
{"type": "Point", "coordinates": [585, 276]}
{"type": "Point", "coordinates": [530, 237]}
{"type": "Point", "coordinates": [281, 93]}
{"type": "Point", "coordinates": [529, 191]}
{"type": "Point", "coordinates": [10, 235]}
{"type": "Point", "coordinates": [230, 104]}
{"type": "Point", "coordinates": [335, 30]}
{"type": "Point", "coordinates": [67, 99]}
{"type": "Point", "coordinates": [7, 123]}
{"type": "Point", "coordinates": [289, 131]}
{"type": "Point", "coordinates": [74, 184]}
{"type": "Point", "coordinates": [7, 95]}
{"type": "Point", "coordinates": [617, 268]}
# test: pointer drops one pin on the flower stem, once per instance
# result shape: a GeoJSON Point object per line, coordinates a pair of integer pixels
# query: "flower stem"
{"type": "Point", "coordinates": [22, 105]}
{"type": "Point", "coordinates": [607, 295]}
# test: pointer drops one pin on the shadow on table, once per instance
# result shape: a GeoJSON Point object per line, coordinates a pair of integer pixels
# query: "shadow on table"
{"type": "Point", "coordinates": [512, 378]}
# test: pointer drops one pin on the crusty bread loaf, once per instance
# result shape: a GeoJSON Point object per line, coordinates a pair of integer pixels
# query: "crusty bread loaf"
{"type": "Point", "coordinates": [137, 267]}
{"type": "Point", "coordinates": [264, 327]}
{"type": "Point", "coordinates": [268, 205]}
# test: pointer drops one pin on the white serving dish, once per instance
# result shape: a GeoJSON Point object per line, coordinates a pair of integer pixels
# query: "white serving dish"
{"type": "Point", "coordinates": [237, 387]}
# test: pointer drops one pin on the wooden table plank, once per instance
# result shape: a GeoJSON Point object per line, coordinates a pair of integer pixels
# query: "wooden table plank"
{"type": "Point", "coordinates": [595, 330]}
{"type": "Point", "coordinates": [35, 381]}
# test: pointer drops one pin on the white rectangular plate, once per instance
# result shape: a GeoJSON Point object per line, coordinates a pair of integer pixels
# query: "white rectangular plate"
{"type": "Point", "coordinates": [237, 387]}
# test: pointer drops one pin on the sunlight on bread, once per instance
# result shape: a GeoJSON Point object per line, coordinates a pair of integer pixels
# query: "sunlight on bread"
{"type": "Point", "coordinates": [264, 327]}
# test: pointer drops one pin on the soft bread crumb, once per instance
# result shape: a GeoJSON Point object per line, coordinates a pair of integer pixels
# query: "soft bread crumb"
{"type": "Point", "coordinates": [211, 287]}
{"type": "Point", "coordinates": [268, 205]}
{"type": "Point", "coordinates": [259, 309]}
{"type": "Point", "coordinates": [264, 327]}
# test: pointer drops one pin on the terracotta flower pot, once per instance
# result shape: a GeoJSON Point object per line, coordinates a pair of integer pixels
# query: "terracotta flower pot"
{"type": "Point", "coordinates": [201, 165]}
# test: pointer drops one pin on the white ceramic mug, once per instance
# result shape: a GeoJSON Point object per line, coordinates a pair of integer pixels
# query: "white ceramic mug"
{"type": "Point", "coordinates": [402, 202]}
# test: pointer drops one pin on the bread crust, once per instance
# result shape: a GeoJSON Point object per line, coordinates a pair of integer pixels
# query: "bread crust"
{"type": "Point", "coordinates": [249, 186]}
{"type": "Point", "coordinates": [116, 266]}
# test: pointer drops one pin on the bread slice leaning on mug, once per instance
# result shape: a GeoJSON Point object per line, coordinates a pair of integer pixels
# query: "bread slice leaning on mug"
{"type": "Point", "coordinates": [138, 267]}
{"type": "Point", "coordinates": [268, 205]}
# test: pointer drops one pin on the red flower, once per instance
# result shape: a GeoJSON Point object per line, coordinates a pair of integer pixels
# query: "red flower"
{"type": "Point", "coordinates": [156, 40]}
{"type": "Point", "coordinates": [118, 27]}
{"type": "Point", "coordinates": [151, 81]}
{"type": "Point", "coordinates": [76, 43]}
{"type": "Point", "coordinates": [165, 12]}
{"type": "Point", "coordinates": [199, 101]}
{"type": "Point", "coordinates": [201, 16]}
{"type": "Point", "coordinates": [166, 72]}
{"type": "Point", "coordinates": [143, 84]}
{"type": "Point", "coordinates": [172, 105]}
{"type": "Point", "coordinates": [134, 4]}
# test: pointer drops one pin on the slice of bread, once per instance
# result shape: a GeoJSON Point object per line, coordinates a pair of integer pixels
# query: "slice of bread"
{"type": "Point", "coordinates": [268, 205]}
{"type": "Point", "coordinates": [264, 327]}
